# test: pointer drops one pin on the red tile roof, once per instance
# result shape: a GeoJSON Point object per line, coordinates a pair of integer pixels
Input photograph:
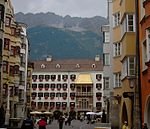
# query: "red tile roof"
{"type": "Point", "coordinates": [68, 65]}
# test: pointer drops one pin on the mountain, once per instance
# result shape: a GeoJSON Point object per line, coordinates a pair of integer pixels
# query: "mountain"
{"type": "Point", "coordinates": [63, 37]}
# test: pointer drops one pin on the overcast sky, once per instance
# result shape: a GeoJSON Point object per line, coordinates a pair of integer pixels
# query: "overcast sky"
{"type": "Point", "coordinates": [79, 8]}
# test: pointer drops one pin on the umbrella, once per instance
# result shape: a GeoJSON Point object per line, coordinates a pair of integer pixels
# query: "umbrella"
{"type": "Point", "coordinates": [36, 112]}
{"type": "Point", "coordinates": [49, 113]}
{"type": "Point", "coordinates": [99, 113]}
{"type": "Point", "coordinates": [90, 113]}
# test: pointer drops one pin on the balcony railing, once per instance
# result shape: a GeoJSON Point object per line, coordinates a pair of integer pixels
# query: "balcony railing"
{"type": "Point", "coordinates": [84, 94]}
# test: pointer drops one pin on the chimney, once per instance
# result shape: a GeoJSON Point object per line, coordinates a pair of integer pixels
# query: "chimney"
{"type": "Point", "coordinates": [97, 58]}
{"type": "Point", "coordinates": [49, 58]}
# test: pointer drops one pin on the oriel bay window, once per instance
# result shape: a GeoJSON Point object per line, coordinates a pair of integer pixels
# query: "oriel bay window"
{"type": "Point", "coordinates": [34, 86]}
{"type": "Point", "coordinates": [46, 86]}
{"type": "Point", "coordinates": [46, 95]}
{"type": "Point", "coordinates": [128, 68]}
{"type": "Point", "coordinates": [52, 86]}
{"type": "Point", "coordinates": [40, 86]}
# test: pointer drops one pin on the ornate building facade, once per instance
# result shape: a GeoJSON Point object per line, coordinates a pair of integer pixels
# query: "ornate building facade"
{"type": "Point", "coordinates": [67, 85]}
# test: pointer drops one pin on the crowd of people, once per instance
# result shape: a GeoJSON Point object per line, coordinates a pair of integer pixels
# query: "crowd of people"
{"type": "Point", "coordinates": [41, 123]}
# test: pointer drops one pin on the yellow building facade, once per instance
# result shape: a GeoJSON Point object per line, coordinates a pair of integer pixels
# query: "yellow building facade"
{"type": "Point", "coordinates": [124, 59]}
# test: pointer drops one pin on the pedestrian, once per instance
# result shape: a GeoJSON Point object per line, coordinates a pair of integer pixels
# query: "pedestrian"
{"type": "Point", "coordinates": [69, 120]}
{"type": "Point", "coordinates": [42, 123]}
{"type": "Point", "coordinates": [27, 123]}
{"type": "Point", "coordinates": [103, 120]}
{"type": "Point", "coordinates": [125, 125]}
{"type": "Point", "coordinates": [2, 116]}
{"type": "Point", "coordinates": [61, 121]}
{"type": "Point", "coordinates": [145, 126]}
{"type": "Point", "coordinates": [66, 120]}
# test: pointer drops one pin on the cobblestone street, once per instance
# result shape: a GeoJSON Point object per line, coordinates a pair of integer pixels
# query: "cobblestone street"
{"type": "Point", "coordinates": [76, 124]}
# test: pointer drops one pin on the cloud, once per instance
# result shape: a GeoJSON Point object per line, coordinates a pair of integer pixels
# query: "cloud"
{"type": "Point", "coordinates": [80, 8]}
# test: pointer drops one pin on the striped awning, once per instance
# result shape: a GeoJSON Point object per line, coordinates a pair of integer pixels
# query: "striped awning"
{"type": "Point", "coordinates": [84, 79]}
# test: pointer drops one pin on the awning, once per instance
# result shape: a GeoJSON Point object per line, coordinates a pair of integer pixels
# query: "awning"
{"type": "Point", "coordinates": [84, 79]}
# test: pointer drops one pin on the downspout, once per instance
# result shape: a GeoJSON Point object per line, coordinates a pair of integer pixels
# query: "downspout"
{"type": "Point", "coordinates": [138, 97]}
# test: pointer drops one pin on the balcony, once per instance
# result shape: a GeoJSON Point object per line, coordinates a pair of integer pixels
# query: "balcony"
{"type": "Point", "coordinates": [88, 94]}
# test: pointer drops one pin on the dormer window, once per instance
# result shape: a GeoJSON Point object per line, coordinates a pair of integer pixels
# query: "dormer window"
{"type": "Point", "coordinates": [58, 66]}
{"type": "Point", "coordinates": [42, 66]}
{"type": "Point", "coordinates": [77, 66]}
{"type": "Point", "coordinates": [93, 66]}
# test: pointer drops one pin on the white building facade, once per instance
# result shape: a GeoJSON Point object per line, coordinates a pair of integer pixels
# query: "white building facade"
{"type": "Point", "coordinates": [67, 85]}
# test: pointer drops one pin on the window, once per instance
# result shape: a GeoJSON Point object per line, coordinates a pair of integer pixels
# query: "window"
{"type": "Point", "coordinates": [47, 77]}
{"type": "Point", "coordinates": [117, 79]}
{"type": "Point", "coordinates": [34, 86]}
{"type": "Point", "coordinates": [116, 19]}
{"type": "Point", "coordinates": [106, 37]}
{"type": "Point", "coordinates": [106, 82]}
{"type": "Point", "coordinates": [11, 71]}
{"type": "Point", "coordinates": [144, 55]}
{"type": "Point", "coordinates": [58, 95]}
{"type": "Point", "coordinates": [106, 58]}
{"type": "Point", "coordinates": [98, 77]}
{"type": "Point", "coordinates": [148, 44]}
{"type": "Point", "coordinates": [16, 69]}
{"type": "Point", "coordinates": [6, 43]}
{"type": "Point", "coordinates": [128, 24]}
{"type": "Point", "coordinates": [7, 21]}
{"type": "Point", "coordinates": [13, 31]}
{"type": "Point", "coordinates": [40, 94]}
{"type": "Point", "coordinates": [128, 68]}
{"type": "Point", "coordinates": [5, 66]}
{"type": "Point", "coordinates": [117, 49]}
{"type": "Point", "coordinates": [12, 51]}
{"type": "Point", "coordinates": [98, 86]}
{"type": "Point", "coordinates": [2, 9]}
